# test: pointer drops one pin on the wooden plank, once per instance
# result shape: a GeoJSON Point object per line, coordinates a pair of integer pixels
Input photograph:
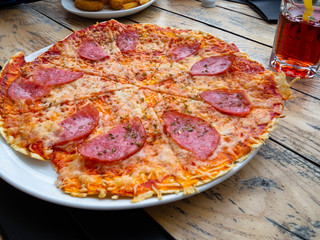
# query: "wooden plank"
{"type": "Point", "coordinates": [238, 7]}
{"type": "Point", "coordinates": [23, 29]}
{"type": "Point", "coordinates": [228, 20]}
{"type": "Point", "coordinates": [276, 196]}
{"type": "Point", "coordinates": [299, 130]}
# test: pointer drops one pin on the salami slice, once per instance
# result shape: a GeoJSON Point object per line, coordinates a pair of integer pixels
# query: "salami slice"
{"type": "Point", "coordinates": [127, 40]}
{"type": "Point", "coordinates": [22, 88]}
{"type": "Point", "coordinates": [244, 65]}
{"type": "Point", "coordinates": [55, 76]}
{"type": "Point", "coordinates": [192, 133]}
{"type": "Point", "coordinates": [78, 125]}
{"type": "Point", "coordinates": [92, 51]}
{"type": "Point", "coordinates": [117, 144]}
{"type": "Point", "coordinates": [227, 101]}
{"type": "Point", "coordinates": [180, 53]}
{"type": "Point", "coordinates": [211, 66]}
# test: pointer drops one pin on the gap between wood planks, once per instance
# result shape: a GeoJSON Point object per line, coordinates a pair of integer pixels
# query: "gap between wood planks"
{"type": "Point", "coordinates": [282, 228]}
{"type": "Point", "coordinates": [295, 152]}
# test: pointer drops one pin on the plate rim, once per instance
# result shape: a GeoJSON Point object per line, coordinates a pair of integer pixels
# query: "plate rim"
{"type": "Point", "coordinates": [94, 203]}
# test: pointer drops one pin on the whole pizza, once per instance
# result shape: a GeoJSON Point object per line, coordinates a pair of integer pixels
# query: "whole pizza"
{"type": "Point", "coordinates": [138, 110]}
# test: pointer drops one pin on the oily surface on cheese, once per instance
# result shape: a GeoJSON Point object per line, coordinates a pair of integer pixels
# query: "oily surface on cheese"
{"type": "Point", "coordinates": [188, 106]}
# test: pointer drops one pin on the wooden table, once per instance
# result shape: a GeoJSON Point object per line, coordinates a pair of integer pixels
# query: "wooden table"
{"type": "Point", "coordinates": [277, 195]}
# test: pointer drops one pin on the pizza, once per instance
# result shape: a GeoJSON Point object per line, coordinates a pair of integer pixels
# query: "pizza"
{"type": "Point", "coordinates": [137, 111]}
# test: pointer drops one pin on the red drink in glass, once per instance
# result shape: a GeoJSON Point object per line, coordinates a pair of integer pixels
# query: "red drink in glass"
{"type": "Point", "coordinates": [296, 49]}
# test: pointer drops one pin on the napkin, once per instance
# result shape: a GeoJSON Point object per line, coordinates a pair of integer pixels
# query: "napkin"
{"type": "Point", "coordinates": [268, 9]}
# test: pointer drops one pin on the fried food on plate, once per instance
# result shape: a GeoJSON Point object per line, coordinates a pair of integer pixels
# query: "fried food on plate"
{"type": "Point", "coordinates": [126, 4]}
{"type": "Point", "coordinates": [130, 5]}
{"type": "Point", "coordinates": [116, 4]}
{"type": "Point", "coordinates": [89, 5]}
{"type": "Point", "coordinates": [96, 5]}
{"type": "Point", "coordinates": [144, 1]}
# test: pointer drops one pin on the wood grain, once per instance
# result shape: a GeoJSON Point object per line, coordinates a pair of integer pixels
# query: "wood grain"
{"type": "Point", "coordinates": [238, 7]}
{"type": "Point", "coordinates": [299, 130]}
{"type": "Point", "coordinates": [276, 196]}
{"type": "Point", "coordinates": [223, 18]}
{"type": "Point", "coordinates": [23, 29]}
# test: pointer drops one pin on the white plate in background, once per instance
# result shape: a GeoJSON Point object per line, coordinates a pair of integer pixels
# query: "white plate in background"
{"type": "Point", "coordinates": [105, 13]}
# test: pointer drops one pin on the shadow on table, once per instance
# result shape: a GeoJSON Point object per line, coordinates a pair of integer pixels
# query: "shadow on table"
{"type": "Point", "coordinates": [23, 217]}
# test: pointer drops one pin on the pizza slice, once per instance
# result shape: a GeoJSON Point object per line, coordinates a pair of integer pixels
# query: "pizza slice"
{"type": "Point", "coordinates": [37, 85]}
{"type": "Point", "coordinates": [208, 136]}
{"type": "Point", "coordinates": [126, 155]}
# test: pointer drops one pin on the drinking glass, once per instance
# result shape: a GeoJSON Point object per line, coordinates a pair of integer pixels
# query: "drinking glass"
{"type": "Point", "coordinates": [296, 47]}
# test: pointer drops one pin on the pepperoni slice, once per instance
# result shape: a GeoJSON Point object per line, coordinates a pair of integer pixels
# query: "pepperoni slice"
{"type": "Point", "coordinates": [55, 76]}
{"type": "Point", "coordinates": [192, 133]}
{"type": "Point", "coordinates": [117, 144]}
{"type": "Point", "coordinates": [211, 66]}
{"type": "Point", "coordinates": [78, 125]}
{"type": "Point", "coordinates": [232, 102]}
{"type": "Point", "coordinates": [92, 51]}
{"type": "Point", "coordinates": [180, 53]}
{"type": "Point", "coordinates": [127, 40]}
{"type": "Point", "coordinates": [22, 88]}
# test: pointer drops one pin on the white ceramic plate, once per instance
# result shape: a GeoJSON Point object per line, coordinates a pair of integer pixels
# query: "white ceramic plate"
{"type": "Point", "coordinates": [37, 178]}
{"type": "Point", "coordinates": [105, 13]}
